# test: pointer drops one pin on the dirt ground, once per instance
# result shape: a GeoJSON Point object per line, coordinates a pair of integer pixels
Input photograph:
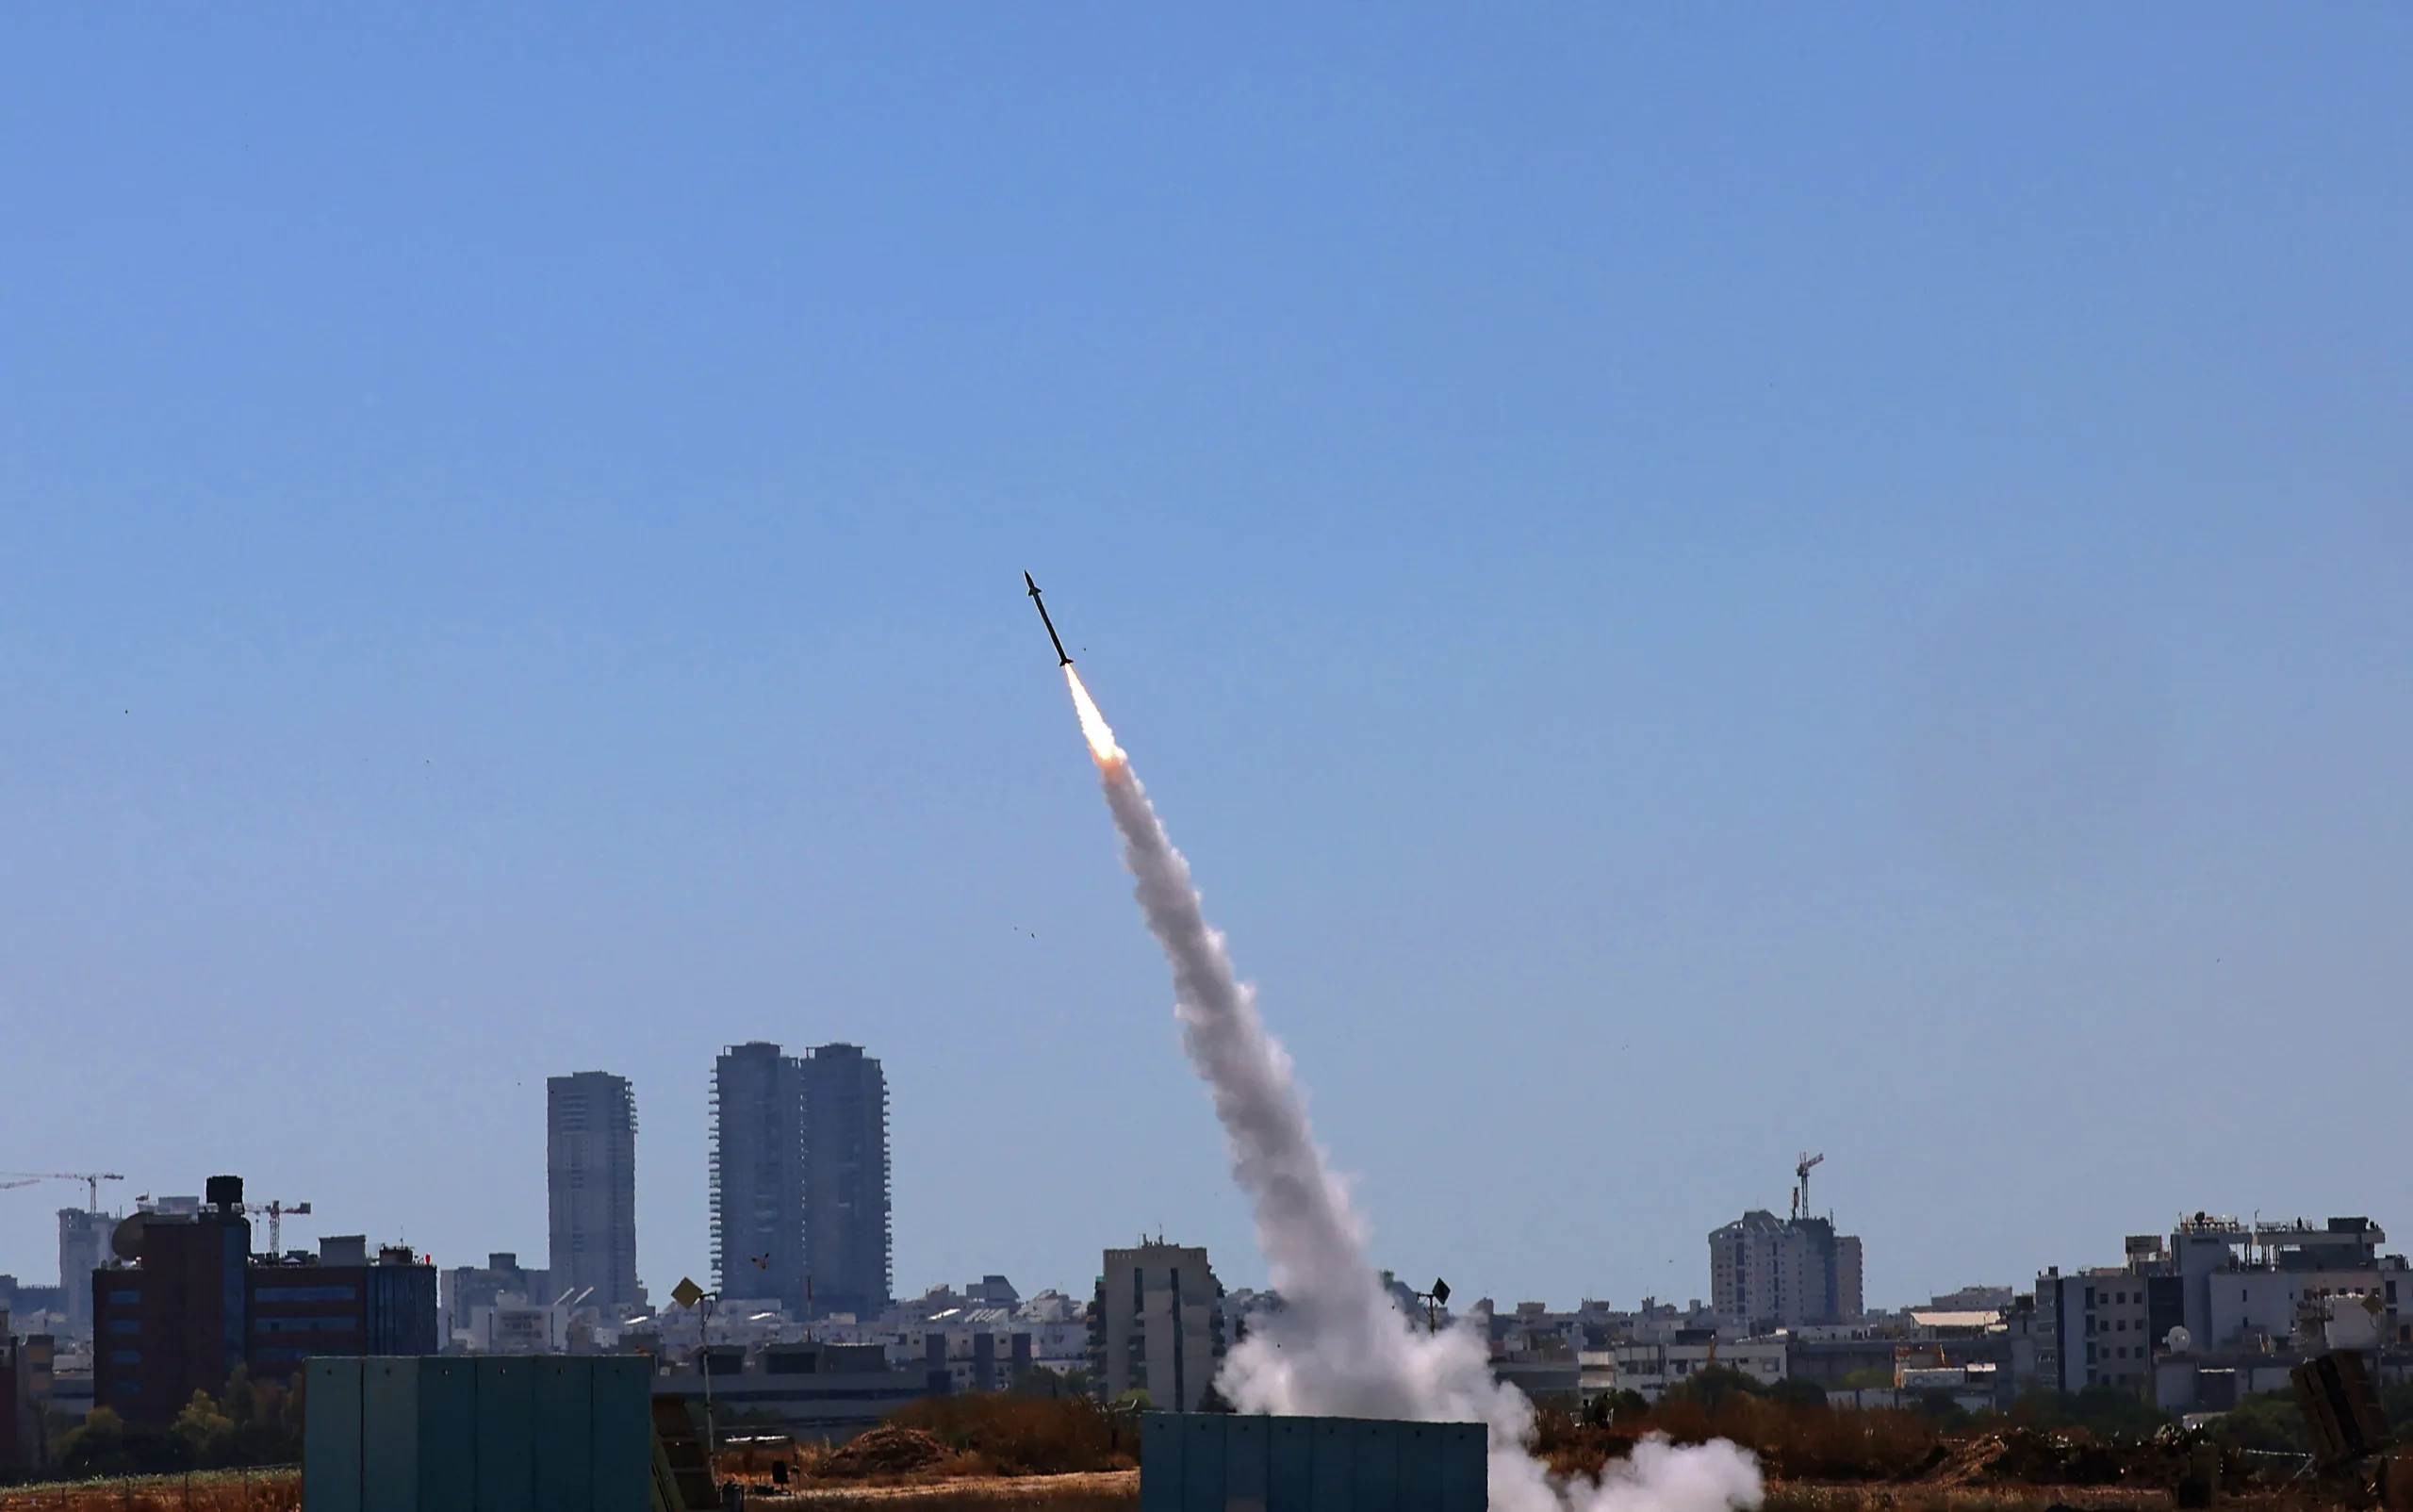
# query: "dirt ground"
{"type": "Point", "coordinates": [1114, 1490]}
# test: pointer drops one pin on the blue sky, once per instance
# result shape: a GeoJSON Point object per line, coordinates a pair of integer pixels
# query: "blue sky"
{"type": "Point", "coordinates": [1697, 583]}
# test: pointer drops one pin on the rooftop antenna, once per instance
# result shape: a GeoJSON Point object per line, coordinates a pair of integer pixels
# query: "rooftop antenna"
{"type": "Point", "coordinates": [1801, 1179]}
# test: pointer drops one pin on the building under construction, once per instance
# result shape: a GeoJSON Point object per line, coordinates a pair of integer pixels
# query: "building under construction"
{"type": "Point", "coordinates": [1768, 1272]}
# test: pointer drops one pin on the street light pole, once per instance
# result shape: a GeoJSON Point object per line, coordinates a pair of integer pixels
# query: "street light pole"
{"type": "Point", "coordinates": [704, 1359]}
{"type": "Point", "coordinates": [1434, 1302]}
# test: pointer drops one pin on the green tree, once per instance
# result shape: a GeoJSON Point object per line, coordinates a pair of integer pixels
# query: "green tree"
{"type": "Point", "coordinates": [1794, 1391]}
{"type": "Point", "coordinates": [2269, 1420]}
{"type": "Point", "coordinates": [205, 1430]}
{"type": "Point", "coordinates": [1715, 1387]}
{"type": "Point", "coordinates": [2105, 1412]}
{"type": "Point", "coordinates": [242, 1400]}
{"type": "Point", "coordinates": [105, 1446]}
{"type": "Point", "coordinates": [98, 1439]}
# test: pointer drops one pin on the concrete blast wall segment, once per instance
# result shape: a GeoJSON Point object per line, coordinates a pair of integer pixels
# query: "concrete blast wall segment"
{"type": "Point", "coordinates": [1222, 1462]}
{"type": "Point", "coordinates": [562, 1433]}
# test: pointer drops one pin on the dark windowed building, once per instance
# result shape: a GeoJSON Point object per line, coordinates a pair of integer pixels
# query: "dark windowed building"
{"type": "Point", "coordinates": [758, 1174]}
{"type": "Point", "coordinates": [845, 1180]}
{"type": "Point", "coordinates": [191, 1303]}
{"type": "Point", "coordinates": [591, 1188]}
{"type": "Point", "coordinates": [800, 1178]}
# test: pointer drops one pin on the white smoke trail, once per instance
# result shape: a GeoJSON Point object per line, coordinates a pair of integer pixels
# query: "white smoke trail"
{"type": "Point", "coordinates": [1341, 1347]}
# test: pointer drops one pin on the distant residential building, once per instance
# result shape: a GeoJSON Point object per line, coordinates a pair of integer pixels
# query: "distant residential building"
{"type": "Point", "coordinates": [1652, 1369]}
{"type": "Point", "coordinates": [1058, 1328]}
{"type": "Point", "coordinates": [1535, 1350]}
{"type": "Point", "coordinates": [514, 1324]}
{"type": "Point", "coordinates": [83, 1248]}
{"type": "Point", "coordinates": [1157, 1326]}
{"type": "Point", "coordinates": [25, 1399]}
{"type": "Point", "coordinates": [591, 1189]}
{"type": "Point", "coordinates": [827, 1390]}
{"type": "Point", "coordinates": [503, 1281]}
{"type": "Point", "coordinates": [1768, 1272]}
{"type": "Point", "coordinates": [2247, 1295]}
{"type": "Point", "coordinates": [35, 1308]}
{"type": "Point", "coordinates": [2096, 1326]}
{"type": "Point", "coordinates": [993, 1292]}
{"type": "Point", "coordinates": [800, 1196]}
{"type": "Point", "coordinates": [846, 1237]}
{"type": "Point", "coordinates": [1971, 1299]}
{"type": "Point", "coordinates": [196, 1304]}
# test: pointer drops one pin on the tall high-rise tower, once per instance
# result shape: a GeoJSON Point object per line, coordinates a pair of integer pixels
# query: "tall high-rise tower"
{"type": "Point", "coordinates": [591, 1183]}
{"type": "Point", "coordinates": [800, 1177]}
{"type": "Point", "coordinates": [845, 1180]}
{"type": "Point", "coordinates": [758, 1174]}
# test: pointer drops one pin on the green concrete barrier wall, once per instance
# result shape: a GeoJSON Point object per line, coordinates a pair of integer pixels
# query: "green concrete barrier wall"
{"type": "Point", "coordinates": [1226, 1462]}
{"type": "Point", "coordinates": [560, 1433]}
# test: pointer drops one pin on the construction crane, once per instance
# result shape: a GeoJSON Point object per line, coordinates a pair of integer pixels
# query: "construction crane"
{"type": "Point", "coordinates": [91, 1180]}
{"type": "Point", "coordinates": [1802, 1184]}
{"type": "Point", "coordinates": [277, 1212]}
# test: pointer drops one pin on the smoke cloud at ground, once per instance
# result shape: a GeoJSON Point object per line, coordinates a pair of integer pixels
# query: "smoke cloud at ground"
{"type": "Point", "coordinates": [1341, 1347]}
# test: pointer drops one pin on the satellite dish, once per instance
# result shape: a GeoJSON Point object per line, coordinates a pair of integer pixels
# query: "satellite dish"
{"type": "Point", "coordinates": [126, 1241]}
{"type": "Point", "coordinates": [2179, 1341]}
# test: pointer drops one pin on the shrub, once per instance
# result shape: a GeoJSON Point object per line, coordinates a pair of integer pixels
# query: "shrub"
{"type": "Point", "coordinates": [1011, 1435]}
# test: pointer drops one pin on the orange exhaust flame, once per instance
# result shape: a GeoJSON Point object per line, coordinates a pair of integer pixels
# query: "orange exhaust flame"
{"type": "Point", "coordinates": [1093, 725]}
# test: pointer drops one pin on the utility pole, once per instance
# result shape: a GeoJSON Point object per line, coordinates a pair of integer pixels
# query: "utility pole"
{"type": "Point", "coordinates": [687, 1294]}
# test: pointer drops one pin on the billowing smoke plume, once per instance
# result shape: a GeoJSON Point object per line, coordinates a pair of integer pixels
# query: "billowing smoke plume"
{"type": "Point", "coordinates": [1341, 1347]}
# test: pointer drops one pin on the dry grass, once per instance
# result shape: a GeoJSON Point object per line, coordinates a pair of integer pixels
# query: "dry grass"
{"type": "Point", "coordinates": [273, 1491]}
{"type": "Point", "coordinates": [974, 1451]}
{"type": "Point", "coordinates": [1794, 1441]}
{"type": "Point", "coordinates": [1788, 1497]}
{"type": "Point", "coordinates": [1023, 1435]}
{"type": "Point", "coordinates": [1095, 1492]}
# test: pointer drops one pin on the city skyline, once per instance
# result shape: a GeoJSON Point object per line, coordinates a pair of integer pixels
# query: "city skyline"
{"type": "Point", "coordinates": [1758, 1256]}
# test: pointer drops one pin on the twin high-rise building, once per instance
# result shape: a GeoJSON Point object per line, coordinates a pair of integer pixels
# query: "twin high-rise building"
{"type": "Point", "coordinates": [800, 1178]}
{"type": "Point", "coordinates": [799, 1182]}
{"type": "Point", "coordinates": [591, 1184]}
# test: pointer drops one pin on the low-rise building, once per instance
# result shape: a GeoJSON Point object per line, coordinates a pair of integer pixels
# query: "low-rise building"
{"type": "Point", "coordinates": [25, 1400]}
{"type": "Point", "coordinates": [503, 1282]}
{"type": "Point", "coordinates": [1652, 1369]}
{"type": "Point", "coordinates": [2199, 1316]}
{"type": "Point", "coordinates": [823, 1391]}
{"type": "Point", "coordinates": [1158, 1325]}
{"type": "Point", "coordinates": [193, 1303]}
